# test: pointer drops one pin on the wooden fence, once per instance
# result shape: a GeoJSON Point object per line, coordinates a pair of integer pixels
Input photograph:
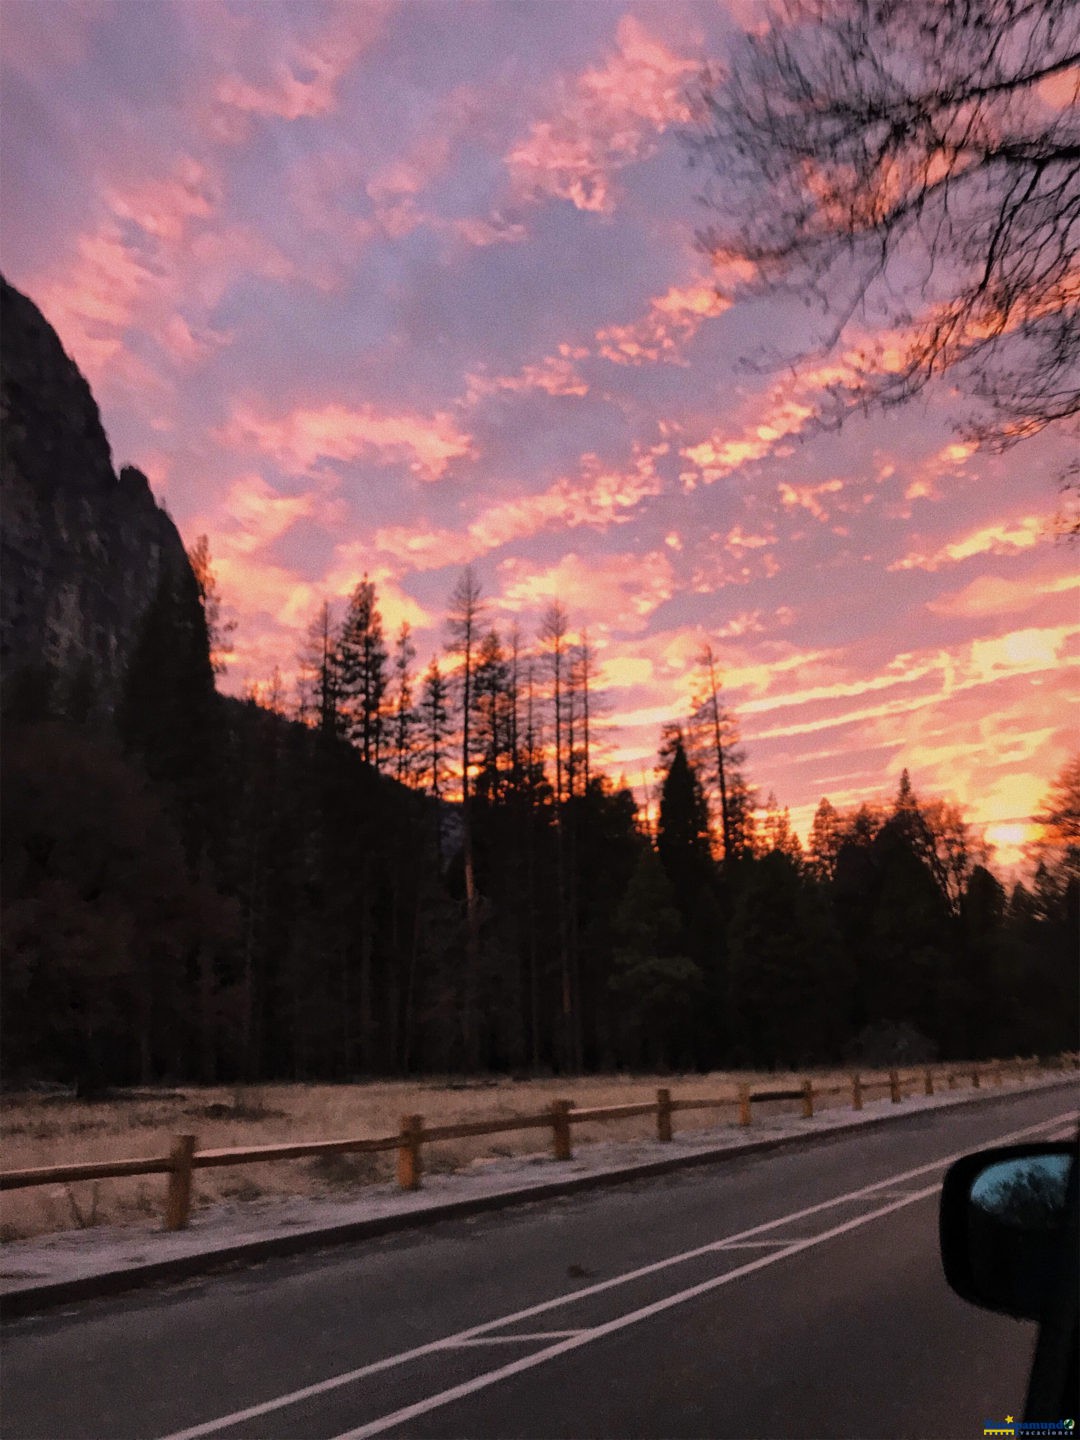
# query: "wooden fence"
{"type": "Point", "coordinates": [184, 1158]}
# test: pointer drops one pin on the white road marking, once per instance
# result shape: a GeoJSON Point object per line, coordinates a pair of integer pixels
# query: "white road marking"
{"type": "Point", "coordinates": [528, 1362]}
{"type": "Point", "coordinates": [753, 1244]}
{"type": "Point", "coordinates": [511, 1339]}
{"type": "Point", "coordinates": [349, 1377]}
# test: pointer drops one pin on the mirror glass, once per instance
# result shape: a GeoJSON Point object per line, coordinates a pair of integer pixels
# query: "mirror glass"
{"type": "Point", "coordinates": [1016, 1217]}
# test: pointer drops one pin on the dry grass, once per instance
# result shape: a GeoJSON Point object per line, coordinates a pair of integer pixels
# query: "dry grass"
{"type": "Point", "coordinates": [50, 1130]}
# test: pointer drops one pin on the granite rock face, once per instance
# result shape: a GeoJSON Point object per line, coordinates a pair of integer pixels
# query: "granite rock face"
{"type": "Point", "coordinates": [82, 549]}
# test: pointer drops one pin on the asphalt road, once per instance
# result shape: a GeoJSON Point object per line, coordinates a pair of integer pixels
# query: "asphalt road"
{"type": "Point", "coordinates": [795, 1293]}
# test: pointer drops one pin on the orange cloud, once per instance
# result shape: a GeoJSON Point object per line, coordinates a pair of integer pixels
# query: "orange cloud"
{"type": "Point", "coordinates": [605, 120]}
{"type": "Point", "coordinates": [779, 417]}
{"type": "Point", "coordinates": [620, 672]}
{"type": "Point", "coordinates": [601, 497]}
{"type": "Point", "coordinates": [609, 592]}
{"type": "Point", "coordinates": [554, 375]}
{"type": "Point", "coordinates": [805, 497]}
{"type": "Point", "coordinates": [303, 437]}
{"type": "Point", "coordinates": [991, 595]}
{"type": "Point", "coordinates": [1032, 654]}
{"type": "Point", "coordinates": [256, 515]}
{"type": "Point", "coordinates": [1004, 538]}
{"type": "Point", "coordinates": [671, 320]}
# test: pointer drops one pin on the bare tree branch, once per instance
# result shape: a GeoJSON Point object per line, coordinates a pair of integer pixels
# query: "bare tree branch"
{"type": "Point", "coordinates": [910, 166]}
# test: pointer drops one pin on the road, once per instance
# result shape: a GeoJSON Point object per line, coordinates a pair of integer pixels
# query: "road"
{"type": "Point", "coordinates": [794, 1293]}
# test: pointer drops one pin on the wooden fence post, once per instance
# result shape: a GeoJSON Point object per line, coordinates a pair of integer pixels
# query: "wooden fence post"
{"type": "Point", "coordinates": [808, 1099]}
{"type": "Point", "coordinates": [928, 1083]}
{"type": "Point", "coordinates": [663, 1114]}
{"type": "Point", "coordinates": [178, 1197]}
{"type": "Point", "coordinates": [856, 1092]}
{"type": "Point", "coordinates": [560, 1124]}
{"type": "Point", "coordinates": [409, 1165]}
{"type": "Point", "coordinates": [744, 1104]}
{"type": "Point", "coordinates": [894, 1087]}
{"type": "Point", "coordinates": [975, 1077]}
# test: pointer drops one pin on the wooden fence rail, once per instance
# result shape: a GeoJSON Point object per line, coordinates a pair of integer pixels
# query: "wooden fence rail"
{"type": "Point", "coordinates": [185, 1158]}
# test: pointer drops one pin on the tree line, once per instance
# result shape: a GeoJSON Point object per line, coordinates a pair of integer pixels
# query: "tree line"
{"type": "Point", "coordinates": [400, 871]}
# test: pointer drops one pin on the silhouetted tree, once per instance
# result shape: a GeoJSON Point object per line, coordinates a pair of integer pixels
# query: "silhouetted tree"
{"type": "Point", "coordinates": [362, 660]}
{"type": "Point", "coordinates": [915, 163]}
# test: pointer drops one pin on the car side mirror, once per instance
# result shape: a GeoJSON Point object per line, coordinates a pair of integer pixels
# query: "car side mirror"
{"type": "Point", "coordinates": [1002, 1219]}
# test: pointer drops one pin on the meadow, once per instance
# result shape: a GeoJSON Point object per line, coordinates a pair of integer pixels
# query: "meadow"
{"type": "Point", "coordinates": [55, 1129]}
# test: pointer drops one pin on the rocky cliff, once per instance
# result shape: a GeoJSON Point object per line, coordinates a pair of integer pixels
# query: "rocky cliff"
{"type": "Point", "coordinates": [82, 549]}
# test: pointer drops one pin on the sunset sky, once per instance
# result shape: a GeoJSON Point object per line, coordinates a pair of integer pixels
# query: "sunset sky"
{"type": "Point", "coordinates": [394, 287]}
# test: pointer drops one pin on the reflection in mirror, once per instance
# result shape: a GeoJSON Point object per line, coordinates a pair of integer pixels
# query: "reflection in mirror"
{"type": "Point", "coordinates": [1027, 1193]}
{"type": "Point", "coordinates": [1016, 1216]}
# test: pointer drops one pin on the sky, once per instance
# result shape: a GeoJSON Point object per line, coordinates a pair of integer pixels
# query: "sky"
{"type": "Point", "coordinates": [391, 288]}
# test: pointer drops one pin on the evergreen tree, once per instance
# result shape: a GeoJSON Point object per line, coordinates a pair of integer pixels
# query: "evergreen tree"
{"type": "Point", "coordinates": [362, 666]}
{"type": "Point", "coordinates": [789, 987]}
{"type": "Point", "coordinates": [825, 840]}
{"type": "Point", "coordinates": [778, 836]}
{"type": "Point", "coordinates": [682, 837]}
{"type": "Point", "coordinates": [407, 719]}
{"type": "Point", "coordinates": [320, 697]}
{"type": "Point", "coordinates": [714, 740]}
{"type": "Point", "coordinates": [464, 626]}
{"type": "Point", "coordinates": [656, 985]}
{"type": "Point", "coordinates": [492, 724]}
{"type": "Point", "coordinates": [435, 722]}
{"type": "Point", "coordinates": [219, 631]}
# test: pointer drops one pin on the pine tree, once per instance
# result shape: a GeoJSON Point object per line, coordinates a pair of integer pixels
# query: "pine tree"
{"type": "Point", "coordinates": [435, 727]}
{"type": "Point", "coordinates": [712, 741]}
{"type": "Point", "coordinates": [362, 662]}
{"type": "Point", "coordinates": [219, 631]}
{"type": "Point", "coordinates": [492, 726]}
{"type": "Point", "coordinates": [464, 626]}
{"type": "Point", "coordinates": [682, 838]}
{"type": "Point", "coordinates": [825, 840]}
{"type": "Point", "coordinates": [406, 718]}
{"type": "Point", "coordinates": [655, 984]}
{"type": "Point", "coordinates": [553, 633]}
{"type": "Point", "coordinates": [778, 836]}
{"type": "Point", "coordinates": [320, 700]}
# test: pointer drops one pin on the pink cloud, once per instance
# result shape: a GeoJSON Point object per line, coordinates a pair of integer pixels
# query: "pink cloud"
{"type": "Point", "coordinates": [429, 152]}
{"type": "Point", "coordinates": [1006, 537]}
{"type": "Point", "coordinates": [992, 595]}
{"type": "Point", "coordinates": [155, 260]}
{"type": "Point", "coordinates": [806, 497]}
{"type": "Point", "coordinates": [600, 497]}
{"type": "Point", "coordinates": [609, 592]}
{"type": "Point", "coordinates": [302, 437]}
{"type": "Point", "coordinates": [163, 207]}
{"type": "Point", "coordinates": [284, 77]}
{"type": "Point", "coordinates": [608, 118]}
{"type": "Point", "coordinates": [672, 319]}
{"type": "Point", "coordinates": [554, 375]}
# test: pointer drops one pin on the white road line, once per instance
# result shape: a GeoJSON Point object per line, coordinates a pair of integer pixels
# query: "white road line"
{"type": "Point", "coordinates": [334, 1382]}
{"type": "Point", "coordinates": [529, 1362]}
{"type": "Point", "coordinates": [510, 1339]}
{"type": "Point", "coordinates": [752, 1244]}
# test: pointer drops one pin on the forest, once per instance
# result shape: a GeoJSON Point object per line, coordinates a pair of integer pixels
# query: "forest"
{"type": "Point", "coordinates": [399, 871]}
